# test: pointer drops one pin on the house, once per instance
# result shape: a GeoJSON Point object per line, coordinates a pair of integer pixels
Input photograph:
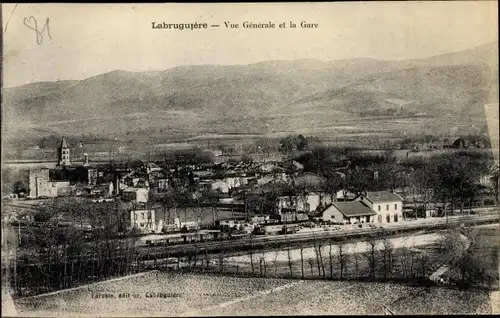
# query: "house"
{"type": "Point", "coordinates": [259, 219]}
{"type": "Point", "coordinates": [265, 179]}
{"type": "Point", "coordinates": [152, 167]}
{"type": "Point", "coordinates": [298, 166]}
{"type": "Point", "coordinates": [160, 184]}
{"type": "Point", "coordinates": [235, 182]}
{"type": "Point", "coordinates": [190, 225]}
{"type": "Point", "coordinates": [269, 178]}
{"type": "Point", "coordinates": [307, 203]}
{"type": "Point", "coordinates": [143, 220]}
{"type": "Point", "coordinates": [345, 195]}
{"type": "Point", "coordinates": [387, 205]}
{"type": "Point", "coordinates": [60, 188]}
{"type": "Point", "coordinates": [268, 167]}
{"type": "Point", "coordinates": [351, 212]}
{"type": "Point", "coordinates": [38, 183]}
{"type": "Point", "coordinates": [217, 153]}
{"type": "Point", "coordinates": [138, 195]}
{"type": "Point", "coordinates": [290, 216]}
{"type": "Point", "coordinates": [220, 185]}
{"type": "Point", "coordinates": [202, 174]}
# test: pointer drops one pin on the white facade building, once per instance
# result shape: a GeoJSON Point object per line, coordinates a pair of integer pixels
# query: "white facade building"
{"type": "Point", "coordinates": [387, 205]}
{"type": "Point", "coordinates": [143, 220]}
{"type": "Point", "coordinates": [307, 203]}
{"type": "Point", "coordinates": [138, 195]}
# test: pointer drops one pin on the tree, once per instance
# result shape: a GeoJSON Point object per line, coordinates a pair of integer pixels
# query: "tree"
{"type": "Point", "coordinates": [334, 181]}
{"type": "Point", "coordinates": [356, 263]}
{"type": "Point", "coordinates": [330, 259]}
{"type": "Point", "coordinates": [423, 259]}
{"type": "Point", "coordinates": [292, 142]}
{"type": "Point", "coordinates": [322, 267]}
{"type": "Point", "coordinates": [388, 255]}
{"type": "Point", "coordinates": [467, 260]}
{"type": "Point", "coordinates": [406, 260]}
{"type": "Point", "coordinates": [457, 176]}
{"type": "Point", "coordinates": [371, 254]}
{"type": "Point", "coordinates": [302, 262]}
{"type": "Point", "coordinates": [289, 261]}
{"type": "Point", "coordinates": [311, 265]}
{"type": "Point", "coordinates": [19, 187]}
{"type": "Point", "coordinates": [287, 144]}
{"type": "Point", "coordinates": [301, 142]}
{"type": "Point", "coordinates": [342, 256]}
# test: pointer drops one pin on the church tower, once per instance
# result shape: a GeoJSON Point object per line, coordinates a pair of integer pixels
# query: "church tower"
{"type": "Point", "coordinates": [63, 154]}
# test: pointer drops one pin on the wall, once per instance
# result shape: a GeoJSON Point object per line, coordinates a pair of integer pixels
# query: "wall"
{"type": "Point", "coordinates": [221, 186]}
{"type": "Point", "coordinates": [142, 195]}
{"type": "Point", "coordinates": [333, 214]}
{"type": "Point", "coordinates": [139, 195]}
{"type": "Point", "coordinates": [386, 211]}
{"type": "Point", "coordinates": [59, 188]}
{"type": "Point", "coordinates": [361, 219]}
{"type": "Point", "coordinates": [306, 204]}
{"type": "Point", "coordinates": [38, 183]}
{"type": "Point", "coordinates": [143, 220]}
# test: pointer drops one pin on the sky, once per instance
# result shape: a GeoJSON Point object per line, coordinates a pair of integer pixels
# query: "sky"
{"type": "Point", "coordinates": [91, 39]}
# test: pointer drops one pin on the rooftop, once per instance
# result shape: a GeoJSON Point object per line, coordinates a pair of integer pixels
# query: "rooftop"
{"type": "Point", "coordinates": [353, 208]}
{"type": "Point", "coordinates": [382, 196]}
{"type": "Point", "coordinates": [64, 144]}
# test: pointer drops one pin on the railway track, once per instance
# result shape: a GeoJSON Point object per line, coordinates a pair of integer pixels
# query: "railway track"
{"type": "Point", "coordinates": [243, 245]}
{"type": "Point", "coordinates": [260, 242]}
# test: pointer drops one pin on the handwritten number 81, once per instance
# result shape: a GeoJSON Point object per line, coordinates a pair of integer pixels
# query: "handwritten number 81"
{"type": "Point", "coordinates": [33, 25]}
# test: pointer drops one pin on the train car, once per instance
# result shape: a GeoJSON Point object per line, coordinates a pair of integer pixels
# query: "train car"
{"type": "Point", "coordinates": [235, 236]}
{"type": "Point", "coordinates": [290, 229]}
{"type": "Point", "coordinates": [157, 242]}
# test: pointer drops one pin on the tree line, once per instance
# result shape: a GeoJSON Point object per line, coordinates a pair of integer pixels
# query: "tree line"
{"type": "Point", "coordinates": [451, 177]}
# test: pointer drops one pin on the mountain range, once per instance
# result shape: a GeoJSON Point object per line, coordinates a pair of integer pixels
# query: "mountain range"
{"type": "Point", "coordinates": [199, 98]}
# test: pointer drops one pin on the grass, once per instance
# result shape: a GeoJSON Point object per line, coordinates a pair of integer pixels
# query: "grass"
{"type": "Point", "coordinates": [192, 294]}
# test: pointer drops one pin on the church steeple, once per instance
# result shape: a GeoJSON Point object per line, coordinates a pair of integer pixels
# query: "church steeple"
{"type": "Point", "coordinates": [63, 153]}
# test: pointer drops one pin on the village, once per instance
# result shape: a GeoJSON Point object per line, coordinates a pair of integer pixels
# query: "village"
{"type": "Point", "coordinates": [211, 200]}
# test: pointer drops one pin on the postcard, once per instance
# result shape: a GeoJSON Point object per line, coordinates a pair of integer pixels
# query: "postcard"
{"type": "Point", "coordinates": [250, 159]}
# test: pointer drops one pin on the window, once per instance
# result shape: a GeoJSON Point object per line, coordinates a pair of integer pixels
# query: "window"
{"type": "Point", "coordinates": [380, 219]}
{"type": "Point", "coordinates": [395, 217]}
{"type": "Point", "coordinates": [388, 218]}
{"type": "Point", "coordinates": [387, 207]}
{"type": "Point", "coordinates": [395, 206]}
{"type": "Point", "coordinates": [379, 207]}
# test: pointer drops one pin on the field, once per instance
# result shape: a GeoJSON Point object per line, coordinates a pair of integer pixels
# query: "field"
{"type": "Point", "coordinates": [135, 135]}
{"type": "Point", "coordinates": [195, 295]}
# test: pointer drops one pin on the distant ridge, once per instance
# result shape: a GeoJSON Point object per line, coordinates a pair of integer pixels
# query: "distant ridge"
{"type": "Point", "coordinates": [454, 84]}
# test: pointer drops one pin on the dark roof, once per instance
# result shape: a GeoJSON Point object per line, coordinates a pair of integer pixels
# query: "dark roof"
{"type": "Point", "coordinates": [382, 196]}
{"type": "Point", "coordinates": [309, 181]}
{"type": "Point", "coordinates": [64, 144]}
{"type": "Point", "coordinates": [353, 208]}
